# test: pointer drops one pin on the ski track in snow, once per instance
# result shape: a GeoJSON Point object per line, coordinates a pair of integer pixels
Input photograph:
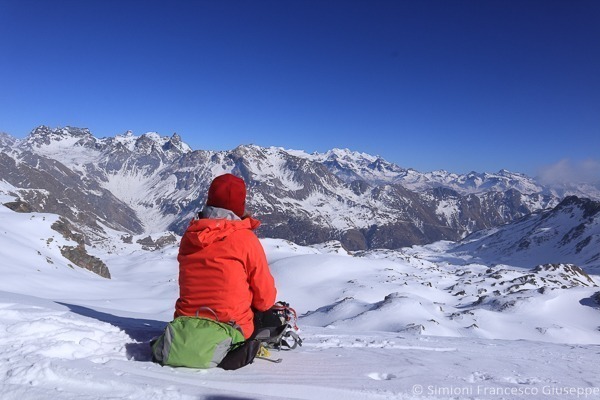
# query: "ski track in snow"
{"type": "Point", "coordinates": [385, 325]}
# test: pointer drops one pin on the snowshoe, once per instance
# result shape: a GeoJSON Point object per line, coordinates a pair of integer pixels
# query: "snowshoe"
{"type": "Point", "coordinates": [279, 338]}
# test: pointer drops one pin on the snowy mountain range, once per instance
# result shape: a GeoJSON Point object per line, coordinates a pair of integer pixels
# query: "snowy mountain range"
{"type": "Point", "coordinates": [508, 311]}
{"type": "Point", "coordinates": [151, 183]}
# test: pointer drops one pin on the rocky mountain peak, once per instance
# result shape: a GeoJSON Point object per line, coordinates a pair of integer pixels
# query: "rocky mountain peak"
{"type": "Point", "coordinates": [45, 136]}
{"type": "Point", "coordinates": [175, 143]}
{"type": "Point", "coordinates": [61, 132]}
{"type": "Point", "coordinates": [6, 140]}
{"type": "Point", "coordinates": [589, 207]}
{"type": "Point", "coordinates": [351, 165]}
{"type": "Point", "coordinates": [147, 143]}
{"type": "Point", "coordinates": [249, 149]}
{"type": "Point", "coordinates": [345, 154]}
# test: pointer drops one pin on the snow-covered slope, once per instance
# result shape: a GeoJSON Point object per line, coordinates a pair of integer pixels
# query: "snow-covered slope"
{"type": "Point", "coordinates": [69, 353]}
{"type": "Point", "coordinates": [404, 324]}
{"type": "Point", "coordinates": [569, 233]}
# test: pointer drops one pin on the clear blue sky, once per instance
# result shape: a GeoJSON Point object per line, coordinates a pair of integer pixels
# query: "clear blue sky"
{"type": "Point", "coordinates": [454, 84]}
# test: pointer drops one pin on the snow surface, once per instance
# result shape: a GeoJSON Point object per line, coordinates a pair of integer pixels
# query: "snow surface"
{"type": "Point", "coordinates": [376, 325]}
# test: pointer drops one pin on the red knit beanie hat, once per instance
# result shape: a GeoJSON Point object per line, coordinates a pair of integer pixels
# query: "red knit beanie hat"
{"type": "Point", "coordinates": [229, 192]}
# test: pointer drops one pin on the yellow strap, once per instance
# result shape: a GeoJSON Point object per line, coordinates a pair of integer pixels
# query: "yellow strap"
{"type": "Point", "coordinates": [263, 352]}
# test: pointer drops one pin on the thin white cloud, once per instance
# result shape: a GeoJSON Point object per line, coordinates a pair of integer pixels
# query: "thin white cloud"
{"type": "Point", "coordinates": [566, 171]}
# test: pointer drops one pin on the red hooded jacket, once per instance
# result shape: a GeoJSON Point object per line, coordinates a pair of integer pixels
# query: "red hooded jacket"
{"type": "Point", "coordinates": [223, 266]}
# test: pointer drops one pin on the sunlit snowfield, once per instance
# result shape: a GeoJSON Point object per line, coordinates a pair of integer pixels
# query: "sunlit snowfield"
{"type": "Point", "coordinates": [413, 323]}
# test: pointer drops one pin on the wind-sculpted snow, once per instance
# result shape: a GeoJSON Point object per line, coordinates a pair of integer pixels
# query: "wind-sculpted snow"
{"type": "Point", "coordinates": [64, 355]}
{"type": "Point", "coordinates": [416, 323]}
{"type": "Point", "coordinates": [400, 293]}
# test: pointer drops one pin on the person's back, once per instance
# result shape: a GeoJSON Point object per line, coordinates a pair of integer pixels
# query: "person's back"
{"type": "Point", "coordinates": [222, 265]}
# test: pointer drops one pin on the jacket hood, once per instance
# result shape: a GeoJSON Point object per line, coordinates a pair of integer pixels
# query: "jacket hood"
{"type": "Point", "coordinates": [203, 232]}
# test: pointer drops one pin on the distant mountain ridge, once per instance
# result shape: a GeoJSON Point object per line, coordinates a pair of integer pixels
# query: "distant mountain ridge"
{"type": "Point", "coordinates": [568, 233]}
{"type": "Point", "coordinates": [152, 183]}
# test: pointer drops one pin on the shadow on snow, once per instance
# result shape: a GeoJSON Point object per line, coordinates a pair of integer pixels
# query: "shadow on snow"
{"type": "Point", "coordinates": [140, 330]}
{"type": "Point", "coordinates": [592, 301]}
